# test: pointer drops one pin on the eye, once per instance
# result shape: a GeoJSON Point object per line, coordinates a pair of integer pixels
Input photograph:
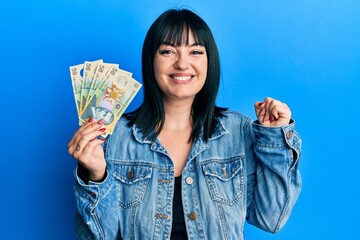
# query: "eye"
{"type": "Point", "coordinates": [197, 52]}
{"type": "Point", "coordinates": [166, 51]}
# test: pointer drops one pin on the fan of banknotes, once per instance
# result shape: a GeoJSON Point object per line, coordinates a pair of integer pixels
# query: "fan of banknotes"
{"type": "Point", "coordinates": [102, 91]}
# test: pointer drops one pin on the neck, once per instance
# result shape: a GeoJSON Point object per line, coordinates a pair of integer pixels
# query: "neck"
{"type": "Point", "coordinates": [177, 115]}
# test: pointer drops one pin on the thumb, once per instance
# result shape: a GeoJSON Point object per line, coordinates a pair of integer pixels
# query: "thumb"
{"type": "Point", "coordinates": [258, 107]}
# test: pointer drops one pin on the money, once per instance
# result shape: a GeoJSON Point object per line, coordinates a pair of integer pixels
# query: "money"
{"type": "Point", "coordinates": [101, 71]}
{"type": "Point", "coordinates": [89, 72]}
{"type": "Point", "coordinates": [77, 80]}
{"type": "Point", "coordinates": [103, 92]}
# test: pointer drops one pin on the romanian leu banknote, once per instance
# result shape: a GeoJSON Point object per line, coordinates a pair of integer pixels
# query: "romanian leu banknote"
{"type": "Point", "coordinates": [111, 91]}
{"type": "Point", "coordinates": [100, 73]}
{"type": "Point", "coordinates": [89, 72]}
{"type": "Point", "coordinates": [94, 100]}
{"type": "Point", "coordinates": [77, 80]}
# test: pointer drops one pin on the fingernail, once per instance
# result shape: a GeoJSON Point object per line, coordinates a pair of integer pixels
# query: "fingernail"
{"type": "Point", "coordinates": [271, 119]}
{"type": "Point", "coordinates": [261, 103]}
{"type": "Point", "coordinates": [91, 119]}
{"type": "Point", "coordinates": [102, 129]}
{"type": "Point", "coordinates": [100, 122]}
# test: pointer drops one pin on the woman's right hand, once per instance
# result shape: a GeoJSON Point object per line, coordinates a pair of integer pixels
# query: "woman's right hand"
{"type": "Point", "coordinates": [86, 148]}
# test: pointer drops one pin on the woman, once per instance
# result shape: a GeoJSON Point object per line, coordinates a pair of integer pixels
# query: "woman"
{"type": "Point", "coordinates": [180, 167]}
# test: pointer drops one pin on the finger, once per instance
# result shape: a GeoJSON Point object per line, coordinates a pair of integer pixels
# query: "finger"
{"type": "Point", "coordinates": [89, 148]}
{"type": "Point", "coordinates": [281, 114]}
{"type": "Point", "coordinates": [261, 115]}
{"type": "Point", "coordinates": [272, 109]}
{"type": "Point", "coordinates": [282, 111]}
{"type": "Point", "coordinates": [79, 130]}
{"type": "Point", "coordinates": [265, 115]}
{"type": "Point", "coordinates": [258, 106]}
{"type": "Point", "coordinates": [268, 105]}
{"type": "Point", "coordinates": [83, 140]}
{"type": "Point", "coordinates": [90, 136]}
{"type": "Point", "coordinates": [88, 127]}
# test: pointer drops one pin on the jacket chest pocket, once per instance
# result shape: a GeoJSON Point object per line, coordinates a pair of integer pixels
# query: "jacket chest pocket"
{"type": "Point", "coordinates": [131, 184]}
{"type": "Point", "coordinates": [225, 180]}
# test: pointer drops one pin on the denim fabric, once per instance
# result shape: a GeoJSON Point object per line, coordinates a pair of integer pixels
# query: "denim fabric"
{"type": "Point", "coordinates": [245, 171]}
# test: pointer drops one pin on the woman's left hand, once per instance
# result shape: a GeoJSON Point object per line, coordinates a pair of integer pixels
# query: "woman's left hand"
{"type": "Point", "coordinates": [272, 113]}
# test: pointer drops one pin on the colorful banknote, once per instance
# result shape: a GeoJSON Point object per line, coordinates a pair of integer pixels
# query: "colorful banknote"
{"type": "Point", "coordinates": [77, 80]}
{"type": "Point", "coordinates": [100, 73]}
{"type": "Point", "coordinates": [104, 91]}
{"type": "Point", "coordinates": [89, 72]}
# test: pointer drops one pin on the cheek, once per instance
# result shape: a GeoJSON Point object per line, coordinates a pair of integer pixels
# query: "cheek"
{"type": "Point", "coordinates": [159, 67]}
{"type": "Point", "coordinates": [156, 66]}
{"type": "Point", "coordinates": [204, 64]}
{"type": "Point", "coordinates": [204, 68]}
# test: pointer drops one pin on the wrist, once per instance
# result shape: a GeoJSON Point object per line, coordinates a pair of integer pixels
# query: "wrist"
{"type": "Point", "coordinates": [85, 175]}
{"type": "Point", "coordinates": [99, 176]}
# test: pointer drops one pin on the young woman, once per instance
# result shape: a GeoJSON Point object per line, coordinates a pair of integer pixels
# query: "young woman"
{"type": "Point", "coordinates": [179, 167]}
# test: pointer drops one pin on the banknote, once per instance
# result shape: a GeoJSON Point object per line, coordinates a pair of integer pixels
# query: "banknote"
{"type": "Point", "coordinates": [96, 96]}
{"type": "Point", "coordinates": [100, 73]}
{"type": "Point", "coordinates": [111, 99]}
{"type": "Point", "coordinates": [102, 91]}
{"type": "Point", "coordinates": [77, 80]}
{"type": "Point", "coordinates": [89, 72]}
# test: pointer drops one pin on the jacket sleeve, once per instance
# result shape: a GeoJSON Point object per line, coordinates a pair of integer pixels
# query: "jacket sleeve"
{"type": "Point", "coordinates": [273, 177]}
{"type": "Point", "coordinates": [97, 211]}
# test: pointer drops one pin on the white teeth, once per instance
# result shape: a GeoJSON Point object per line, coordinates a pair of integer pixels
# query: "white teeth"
{"type": "Point", "coordinates": [181, 78]}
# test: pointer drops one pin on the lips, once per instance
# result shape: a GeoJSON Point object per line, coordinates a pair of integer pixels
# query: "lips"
{"type": "Point", "coordinates": [181, 78]}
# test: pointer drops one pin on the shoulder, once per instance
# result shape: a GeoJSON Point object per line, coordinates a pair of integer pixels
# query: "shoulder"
{"type": "Point", "coordinates": [231, 116]}
{"type": "Point", "coordinates": [233, 121]}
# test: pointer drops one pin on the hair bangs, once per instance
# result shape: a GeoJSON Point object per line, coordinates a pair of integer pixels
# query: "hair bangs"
{"type": "Point", "coordinates": [176, 32]}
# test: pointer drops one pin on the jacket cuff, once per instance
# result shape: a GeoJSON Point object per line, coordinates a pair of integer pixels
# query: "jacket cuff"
{"type": "Point", "coordinates": [92, 191]}
{"type": "Point", "coordinates": [275, 136]}
{"type": "Point", "coordinates": [279, 137]}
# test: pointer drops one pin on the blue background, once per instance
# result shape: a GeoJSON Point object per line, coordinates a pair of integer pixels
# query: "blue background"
{"type": "Point", "coordinates": [305, 53]}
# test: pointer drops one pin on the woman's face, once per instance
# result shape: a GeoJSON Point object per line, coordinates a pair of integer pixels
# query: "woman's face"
{"type": "Point", "coordinates": [180, 71]}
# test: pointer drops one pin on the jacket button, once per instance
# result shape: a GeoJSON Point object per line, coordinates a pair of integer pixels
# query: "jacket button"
{"type": "Point", "coordinates": [92, 194]}
{"type": "Point", "coordinates": [289, 134]}
{"type": "Point", "coordinates": [192, 216]}
{"type": "Point", "coordinates": [130, 174]}
{"type": "Point", "coordinates": [189, 180]}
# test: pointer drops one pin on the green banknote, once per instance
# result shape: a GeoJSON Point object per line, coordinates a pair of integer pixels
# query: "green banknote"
{"type": "Point", "coordinates": [100, 73]}
{"type": "Point", "coordinates": [103, 91]}
{"type": "Point", "coordinates": [111, 99]}
{"type": "Point", "coordinates": [89, 72]}
{"type": "Point", "coordinates": [77, 80]}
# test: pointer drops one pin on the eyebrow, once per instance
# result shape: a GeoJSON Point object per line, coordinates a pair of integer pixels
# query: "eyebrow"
{"type": "Point", "coordinates": [173, 45]}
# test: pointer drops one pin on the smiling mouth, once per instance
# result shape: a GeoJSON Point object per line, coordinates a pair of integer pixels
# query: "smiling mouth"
{"type": "Point", "coordinates": [181, 78]}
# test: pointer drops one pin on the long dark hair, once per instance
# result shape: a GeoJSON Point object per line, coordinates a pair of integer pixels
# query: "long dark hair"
{"type": "Point", "coordinates": [170, 27]}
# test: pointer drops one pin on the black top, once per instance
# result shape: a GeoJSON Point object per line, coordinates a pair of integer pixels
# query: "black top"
{"type": "Point", "coordinates": [178, 231]}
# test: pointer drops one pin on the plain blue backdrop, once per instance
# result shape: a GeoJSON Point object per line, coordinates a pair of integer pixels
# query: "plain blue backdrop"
{"type": "Point", "coordinates": [305, 53]}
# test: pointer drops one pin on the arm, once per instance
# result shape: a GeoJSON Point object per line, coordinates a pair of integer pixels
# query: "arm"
{"type": "Point", "coordinates": [94, 196]}
{"type": "Point", "coordinates": [273, 151]}
{"type": "Point", "coordinates": [97, 208]}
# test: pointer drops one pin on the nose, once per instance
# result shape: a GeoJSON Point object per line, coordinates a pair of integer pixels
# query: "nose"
{"type": "Point", "coordinates": [182, 61]}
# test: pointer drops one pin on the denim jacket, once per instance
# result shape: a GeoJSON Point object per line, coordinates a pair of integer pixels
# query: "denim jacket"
{"type": "Point", "coordinates": [245, 171]}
